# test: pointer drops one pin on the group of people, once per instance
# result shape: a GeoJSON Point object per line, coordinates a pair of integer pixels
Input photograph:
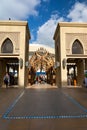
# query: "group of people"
{"type": "Point", "coordinates": [71, 81]}
{"type": "Point", "coordinates": [39, 79]}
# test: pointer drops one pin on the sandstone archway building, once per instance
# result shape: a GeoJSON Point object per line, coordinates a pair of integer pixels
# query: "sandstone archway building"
{"type": "Point", "coordinates": [14, 46]}
{"type": "Point", "coordinates": [70, 51]}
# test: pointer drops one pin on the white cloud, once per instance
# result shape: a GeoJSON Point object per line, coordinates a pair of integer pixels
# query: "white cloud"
{"type": "Point", "coordinates": [78, 12]}
{"type": "Point", "coordinates": [22, 9]}
{"type": "Point", "coordinates": [46, 0]}
{"type": "Point", "coordinates": [46, 31]}
{"type": "Point", "coordinates": [18, 9]}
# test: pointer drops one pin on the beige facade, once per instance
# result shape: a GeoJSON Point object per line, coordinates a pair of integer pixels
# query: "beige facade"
{"type": "Point", "coordinates": [14, 46]}
{"type": "Point", "coordinates": [70, 51]}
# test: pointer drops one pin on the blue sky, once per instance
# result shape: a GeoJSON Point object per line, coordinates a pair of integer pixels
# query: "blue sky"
{"type": "Point", "coordinates": [44, 15]}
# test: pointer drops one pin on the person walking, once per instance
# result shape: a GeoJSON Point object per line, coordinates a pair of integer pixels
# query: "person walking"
{"type": "Point", "coordinates": [6, 79]}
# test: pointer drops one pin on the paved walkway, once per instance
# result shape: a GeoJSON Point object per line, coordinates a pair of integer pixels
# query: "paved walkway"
{"type": "Point", "coordinates": [45, 109]}
{"type": "Point", "coordinates": [40, 86]}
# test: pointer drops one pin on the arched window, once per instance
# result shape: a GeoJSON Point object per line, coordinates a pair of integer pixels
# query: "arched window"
{"type": "Point", "coordinates": [7, 46]}
{"type": "Point", "coordinates": [77, 47]}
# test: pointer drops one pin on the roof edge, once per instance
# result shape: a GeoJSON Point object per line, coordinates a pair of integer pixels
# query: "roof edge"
{"type": "Point", "coordinates": [72, 24]}
{"type": "Point", "coordinates": [69, 24]}
{"type": "Point", "coordinates": [13, 22]}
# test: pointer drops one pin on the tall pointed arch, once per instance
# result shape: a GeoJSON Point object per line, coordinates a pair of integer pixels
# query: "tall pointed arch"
{"type": "Point", "coordinates": [77, 47]}
{"type": "Point", "coordinates": [7, 46]}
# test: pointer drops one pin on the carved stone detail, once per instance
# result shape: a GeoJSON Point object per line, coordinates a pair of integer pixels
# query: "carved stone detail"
{"type": "Point", "coordinates": [71, 37]}
{"type": "Point", "coordinates": [13, 36]}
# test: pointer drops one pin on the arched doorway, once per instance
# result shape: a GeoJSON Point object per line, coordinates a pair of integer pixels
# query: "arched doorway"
{"type": "Point", "coordinates": [75, 65]}
{"type": "Point", "coordinates": [9, 62]}
{"type": "Point", "coordinates": [10, 65]}
{"type": "Point", "coordinates": [41, 69]}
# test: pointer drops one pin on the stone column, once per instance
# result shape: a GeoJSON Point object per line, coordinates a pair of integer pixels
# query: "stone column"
{"type": "Point", "coordinates": [2, 71]}
{"type": "Point", "coordinates": [0, 74]}
{"type": "Point", "coordinates": [80, 72]}
{"type": "Point", "coordinates": [63, 60]}
{"type": "Point", "coordinates": [63, 72]}
{"type": "Point", "coordinates": [21, 74]}
{"type": "Point", "coordinates": [85, 64]}
{"type": "Point", "coordinates": [22, 59]}
{"type": "Point", "coordinates": [58, 77]}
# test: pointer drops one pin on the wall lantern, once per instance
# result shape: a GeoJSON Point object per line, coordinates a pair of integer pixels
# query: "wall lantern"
{"type": "Point", "coordinates": [26, 63]}
{"type": "Point", "coordinates": [57, 64]}
{"type": "Point", "coordinates": [21, 62]}
{"type": "Point", "coordinates": [64, 63]}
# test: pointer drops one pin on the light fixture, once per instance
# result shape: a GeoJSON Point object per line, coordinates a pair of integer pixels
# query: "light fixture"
{"type": "Point", "coordinates": [21, 62]}
{"type": "Point", "coordinates": [64, 63]}
{"type": "Point", "coordinates": [26, 63]}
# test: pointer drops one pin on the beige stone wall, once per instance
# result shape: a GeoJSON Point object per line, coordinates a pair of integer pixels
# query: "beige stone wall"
{"type": "Point", "coordinates": [72, 31]}
{"type": "Point", "coordinates": [26, 58]}
{"type": "Point", "coordinates": [14, 36]}
{"type": "Point", "coordinates": [80, 72]}
{"type": "Point", "coordinates": [58, 59]}
{"type": "Point", "coordinates": [63, 57]}
{"type": "Point", "coordinates": [69, 32]}
{"type": "Point", "coordinates": [71, 37]}
{"type": "Point", "coordinates": [18, 33]}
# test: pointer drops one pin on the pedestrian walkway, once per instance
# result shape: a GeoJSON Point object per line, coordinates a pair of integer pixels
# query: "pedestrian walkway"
{"type": "Point", "coordinates": [44, 86]}
{"type": "Point", "coordinates": [47, 104]}
{"type": "Point", "coordinates": [45, 109]}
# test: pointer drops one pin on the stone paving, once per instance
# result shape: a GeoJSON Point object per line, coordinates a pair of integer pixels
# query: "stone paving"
{"type": "Point", "coordinates": [44, 86]}
{"type": "Point", "coordinates": [45, 109]}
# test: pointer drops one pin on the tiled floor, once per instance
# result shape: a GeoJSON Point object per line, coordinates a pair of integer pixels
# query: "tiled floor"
{"type": "Point", "coordinates": [45, 109]}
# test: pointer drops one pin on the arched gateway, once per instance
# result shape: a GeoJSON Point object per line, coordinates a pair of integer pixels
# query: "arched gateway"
{"type": "Point", "coordinates": [14, 42]}
{"type": "Point", "coordinates": [71, 53]}
{"type": "Point", "coordinates": [41, 67]}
